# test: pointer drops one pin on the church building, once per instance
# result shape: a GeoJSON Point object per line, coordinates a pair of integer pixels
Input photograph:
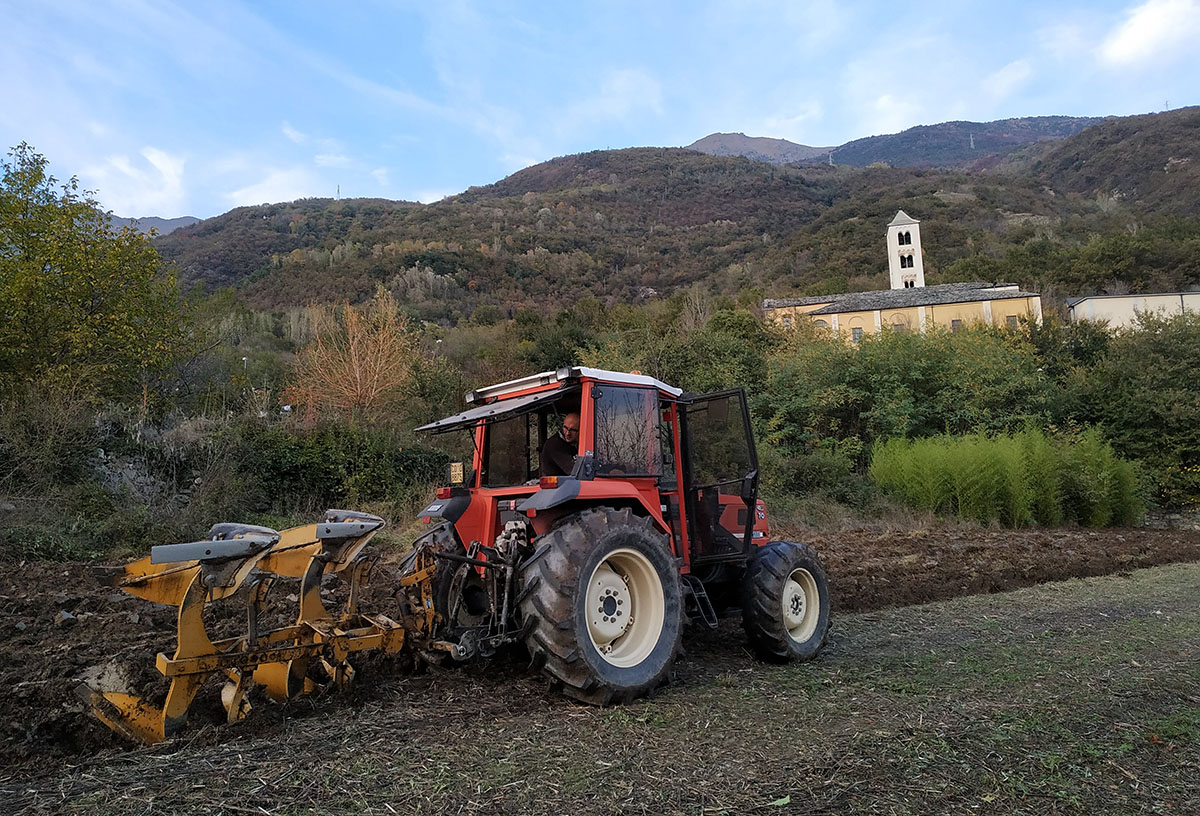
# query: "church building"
{"type": "Point", "coordinates": [909, 305]}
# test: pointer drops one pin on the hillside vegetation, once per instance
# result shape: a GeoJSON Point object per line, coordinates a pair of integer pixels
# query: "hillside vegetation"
{"type": "Point", "coordinates": [958, 144]}
{"type": "Point", "coordinates": [1111, 208]}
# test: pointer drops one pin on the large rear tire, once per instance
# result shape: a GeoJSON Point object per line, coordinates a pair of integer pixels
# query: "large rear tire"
{"type": "Point", "coordinates": [602, 603]}
{"type": "Point", "coordinates": [785, 609]}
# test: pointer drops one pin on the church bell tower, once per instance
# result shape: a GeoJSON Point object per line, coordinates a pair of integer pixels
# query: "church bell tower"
{"type": "Point", "coordinates": [905, 265]}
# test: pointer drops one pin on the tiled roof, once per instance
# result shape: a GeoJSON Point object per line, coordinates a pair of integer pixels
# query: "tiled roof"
{"type": "Point", "coordinates": [901, 298]}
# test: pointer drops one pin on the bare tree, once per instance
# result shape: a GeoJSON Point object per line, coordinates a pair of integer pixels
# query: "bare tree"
{"type": "Point", "coordinates": [359, 362]}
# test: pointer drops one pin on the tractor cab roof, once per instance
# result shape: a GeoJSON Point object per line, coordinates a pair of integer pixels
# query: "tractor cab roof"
{"type": "Point", "coordinates": [528, 393]}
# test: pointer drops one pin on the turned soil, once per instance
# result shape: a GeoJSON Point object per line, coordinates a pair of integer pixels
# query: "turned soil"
{"type": "Point", "coordinates": [58, 624]}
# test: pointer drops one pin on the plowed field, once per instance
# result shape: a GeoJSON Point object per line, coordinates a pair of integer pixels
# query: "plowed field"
{"type": "Point", "coordinates": [57, 624]}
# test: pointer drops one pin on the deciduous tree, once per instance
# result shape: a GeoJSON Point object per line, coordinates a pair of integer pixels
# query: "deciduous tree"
{"type": "Point", "coordinates": [79, 303]}
{"type": "Point", "coordinates": [359, 363]}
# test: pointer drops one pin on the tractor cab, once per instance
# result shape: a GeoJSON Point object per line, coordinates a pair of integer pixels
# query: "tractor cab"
{"type": "Point", "coordinates": [595, 548]}
{"type": "Point", "coordinates": [685, 462]}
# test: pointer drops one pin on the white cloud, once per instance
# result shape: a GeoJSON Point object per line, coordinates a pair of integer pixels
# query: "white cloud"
{"type": "Point", "coordinates": [1062, 41]}
{"type": "Point", "coordinates": [132, 188]}
{"type": "Point", "coordinates": [890, 115]}
{"type": "Point", "coordinates": [293, 134]}
{"type": "Point", "coordinates": [623, 92]}
{"type": "Point", "coordinates": [1153, 33]}
{"type": "Point", "coordinates": [278, 185]}
{"type": "Point", "coordinates": [512, 162]}
{"type": "Point", "coordinates": [431, 196]}
{"type": "Point", "coordinates": [1008, 79]}
{"type": "Point", "coordinates": [381, 177]}
{"type": "Point", "coordinates": [791, 124]}
{"type": "Point", "coordinates": [331, 160]}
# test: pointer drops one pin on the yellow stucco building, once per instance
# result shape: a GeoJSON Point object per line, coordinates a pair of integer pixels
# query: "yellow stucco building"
{"type": "Point", "coordinates": [909, 305]}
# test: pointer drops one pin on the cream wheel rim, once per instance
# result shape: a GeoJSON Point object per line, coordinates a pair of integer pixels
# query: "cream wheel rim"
{"type": "Point", "coordinates": [801, 605]}
{"type": "Point", "coordinates": [625, 607]}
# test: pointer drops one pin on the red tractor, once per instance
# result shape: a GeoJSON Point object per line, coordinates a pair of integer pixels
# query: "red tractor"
{"type": "Point", "coordinates": [652, 520]}
{"type": "Point", "coordinates": [596, 570]}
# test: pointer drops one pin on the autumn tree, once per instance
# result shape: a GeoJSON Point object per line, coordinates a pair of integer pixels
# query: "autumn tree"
{"type": "Point", "coordinates": [80, 305]}
{"type": "Point", "coordinates": [359, 363]}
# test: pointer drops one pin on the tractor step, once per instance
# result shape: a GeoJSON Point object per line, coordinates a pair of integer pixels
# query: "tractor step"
{"type": "Point", "coordinates": [695, 587]}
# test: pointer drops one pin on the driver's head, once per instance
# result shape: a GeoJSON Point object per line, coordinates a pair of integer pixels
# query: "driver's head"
{"type": "Point", "coordinates": [570, 427]}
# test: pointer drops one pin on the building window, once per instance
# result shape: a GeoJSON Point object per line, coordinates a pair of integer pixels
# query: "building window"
{"type": "Point", "coordinates": [955, 326]}
{"type": "Point", "coordinates": [1011, 320]}
{"type": "Point", "coordinates": [856, 334]}
{"type": "Point", "coordinates": [787, 322]}
{"type": "Point", "coordinates": [910, 283]}
{"type": "Point", "coordinates": [820, 324]}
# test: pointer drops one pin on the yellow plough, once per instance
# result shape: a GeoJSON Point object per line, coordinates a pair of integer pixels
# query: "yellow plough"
{"type": "Point", "coordinates": [248, 560]}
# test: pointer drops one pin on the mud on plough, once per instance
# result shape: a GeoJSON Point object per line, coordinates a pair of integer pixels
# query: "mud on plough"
{"type": "Point", "coordinates": [248, 560]}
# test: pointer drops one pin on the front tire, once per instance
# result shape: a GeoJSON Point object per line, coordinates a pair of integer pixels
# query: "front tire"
{"type": "Point", "coordinates": [785, 609]}
{"type": "Point", "coordinates": [602, 603]}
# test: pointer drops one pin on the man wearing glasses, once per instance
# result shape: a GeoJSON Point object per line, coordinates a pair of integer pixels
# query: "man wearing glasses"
{"type": "Point", "coordinates": [558, 454]}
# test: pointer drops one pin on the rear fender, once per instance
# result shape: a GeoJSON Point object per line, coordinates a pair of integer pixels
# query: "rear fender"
{"type": "Point", "coordinates": [595, 493]}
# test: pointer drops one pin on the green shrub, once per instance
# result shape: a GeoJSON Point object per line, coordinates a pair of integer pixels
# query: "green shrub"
{"type": "Point", "coordinates": [821, 473]}
{"type": "Point", "coordinates": [1014, 479]}
{"type": "Point", "coordinates": [285, 470]}
{"type": "Point", "coordinates": [1039, 461]}
{"type": "Point", "coordinates": [47, 435]}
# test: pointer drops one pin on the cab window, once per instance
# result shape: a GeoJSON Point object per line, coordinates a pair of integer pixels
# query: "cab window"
{"type": "Point", "coordinates": [627, 431]}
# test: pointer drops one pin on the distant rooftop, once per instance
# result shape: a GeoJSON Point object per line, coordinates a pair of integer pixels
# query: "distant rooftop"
{"type": "Point", "coordinates": [1072, 301]}
{"type": "Point", "coordinates": [901, 298]}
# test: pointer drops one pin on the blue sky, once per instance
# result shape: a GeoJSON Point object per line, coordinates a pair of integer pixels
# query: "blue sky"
{"type": "Point", "coordinates": [170, 109]}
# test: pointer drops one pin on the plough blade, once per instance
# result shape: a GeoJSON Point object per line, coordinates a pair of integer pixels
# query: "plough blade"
{"type": "Point", "coordinates": [241, 557]}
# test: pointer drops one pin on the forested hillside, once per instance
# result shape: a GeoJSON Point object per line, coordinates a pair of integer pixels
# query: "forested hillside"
{"type": "Point", "coordinates": [1111, 208]}
{"type": "Point", "coordinates": [958, 144]}
{"type": "Point", "coordinates": [1151, 163]}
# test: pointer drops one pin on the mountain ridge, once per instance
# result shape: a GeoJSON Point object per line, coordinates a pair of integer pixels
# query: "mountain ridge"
{"type": "Point", "coordinates": [946, 144]}
{"type": "Point", "coordinates": [757, 148]}
{"type": "Point", "coordinates": [163, 226]}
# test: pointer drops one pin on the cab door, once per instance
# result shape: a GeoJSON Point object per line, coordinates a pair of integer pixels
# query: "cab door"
{"type": "Point", "coordinates": [720, 475]}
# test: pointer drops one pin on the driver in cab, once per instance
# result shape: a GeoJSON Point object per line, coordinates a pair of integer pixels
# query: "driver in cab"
{"type": "Point", "coordinates": [558, 454]}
